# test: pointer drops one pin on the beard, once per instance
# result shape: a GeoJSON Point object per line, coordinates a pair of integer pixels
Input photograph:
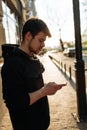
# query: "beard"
{"type": "Point", "coordinates": [35, 51]}
{"type": "Point", "coordinates": [32, 50]}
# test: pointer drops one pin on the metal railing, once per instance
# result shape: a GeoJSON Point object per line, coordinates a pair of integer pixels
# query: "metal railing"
{"type": "Point", "coordinates": [66, 69]}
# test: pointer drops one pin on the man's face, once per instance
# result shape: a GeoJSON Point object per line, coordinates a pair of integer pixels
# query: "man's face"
{"type": "Point", "coordinates": [37, 43]}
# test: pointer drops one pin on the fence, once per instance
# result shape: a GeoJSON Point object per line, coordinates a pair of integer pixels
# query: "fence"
{"type": "Point", "coordinates": [66, 69]}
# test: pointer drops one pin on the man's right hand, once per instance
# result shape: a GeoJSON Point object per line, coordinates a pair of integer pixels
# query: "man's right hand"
{"type": "Point", "coordinates": [51, 88]}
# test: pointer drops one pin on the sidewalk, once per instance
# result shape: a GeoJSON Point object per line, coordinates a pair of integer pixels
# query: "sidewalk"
{"type": "Point", "coordinates": [62, 104]}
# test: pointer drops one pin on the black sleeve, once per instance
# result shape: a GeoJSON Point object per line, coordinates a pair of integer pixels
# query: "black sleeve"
{"type": "Point", "coordinates": [13, 86]}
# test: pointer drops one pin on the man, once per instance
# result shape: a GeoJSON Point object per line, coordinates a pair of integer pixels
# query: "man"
{"type": "Point", "coordinates": [24, 91]}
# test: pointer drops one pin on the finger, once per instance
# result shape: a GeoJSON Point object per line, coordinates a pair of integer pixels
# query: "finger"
{"type": "Point", "coordinates": [63, 84]}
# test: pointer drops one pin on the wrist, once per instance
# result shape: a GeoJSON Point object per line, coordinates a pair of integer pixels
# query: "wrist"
{"type": "Point", "coordinates": [42, 91]}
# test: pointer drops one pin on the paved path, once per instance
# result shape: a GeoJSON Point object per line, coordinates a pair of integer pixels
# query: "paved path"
{"type": "Point", "coordinates": [62, 104]}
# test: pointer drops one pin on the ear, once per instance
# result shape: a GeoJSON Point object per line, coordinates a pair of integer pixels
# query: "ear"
{"type": "Point", "coordinates": [28, 36]}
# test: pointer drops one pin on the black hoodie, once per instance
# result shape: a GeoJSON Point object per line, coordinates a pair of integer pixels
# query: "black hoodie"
{"type": "Point", "coordinates": [21, 75]}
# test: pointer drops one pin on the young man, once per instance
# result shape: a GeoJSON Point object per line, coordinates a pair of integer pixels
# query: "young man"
{"type": "Point", "coordinates": [24, 91]}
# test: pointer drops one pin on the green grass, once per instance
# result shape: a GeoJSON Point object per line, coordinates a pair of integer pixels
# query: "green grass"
{"type": "Point", "coordinates": [84, 47]}
{"type": "Point", "coordinates": [84, 44]}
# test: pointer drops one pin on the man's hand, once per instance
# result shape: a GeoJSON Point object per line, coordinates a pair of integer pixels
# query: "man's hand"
{"type": "Point", "coordinates": [52, 87]}
{"type": "Point", "coordinates": [49, 89]}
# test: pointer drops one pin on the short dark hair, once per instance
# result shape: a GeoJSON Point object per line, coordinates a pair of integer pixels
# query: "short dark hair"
{"type": "Point", "coordinates": [34, 26]}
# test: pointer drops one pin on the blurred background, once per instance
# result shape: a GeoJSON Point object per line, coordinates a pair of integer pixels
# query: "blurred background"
{"type": "Point", "coordinates": [57, 14]}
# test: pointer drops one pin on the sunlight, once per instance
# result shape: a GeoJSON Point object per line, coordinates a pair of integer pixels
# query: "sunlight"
{"type": "Point", "coordinates": [58, 17]}
{"type": "Point", "coordinates": [52, 42]}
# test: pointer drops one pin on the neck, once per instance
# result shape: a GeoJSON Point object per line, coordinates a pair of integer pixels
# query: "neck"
{"type": "Point", "coordinates": [25, 49]}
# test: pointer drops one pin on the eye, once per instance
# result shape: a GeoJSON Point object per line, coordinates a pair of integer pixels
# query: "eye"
{"type": "Point", "coordinates": [40, 40]}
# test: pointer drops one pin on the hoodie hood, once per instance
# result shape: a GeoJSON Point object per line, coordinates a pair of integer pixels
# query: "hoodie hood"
{"type": "Point", "coordinates": [12, 50]}
{"type": "Point", "coordinates": [9, 50]}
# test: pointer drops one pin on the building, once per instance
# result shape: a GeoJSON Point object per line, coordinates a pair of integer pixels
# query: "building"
{"type": "Point", "coordinates": [30, 9]}
{"type": "Point", "coordinates": [12, 17]}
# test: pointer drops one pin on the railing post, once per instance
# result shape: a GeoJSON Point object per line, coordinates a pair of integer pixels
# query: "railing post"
{"type": "Point", "coordinates": [65, 68]}
{"type": "Point", "coordinates": [70, 74]}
